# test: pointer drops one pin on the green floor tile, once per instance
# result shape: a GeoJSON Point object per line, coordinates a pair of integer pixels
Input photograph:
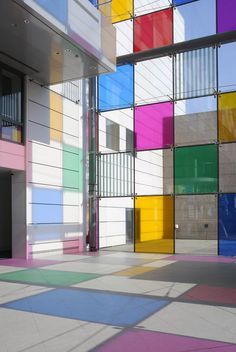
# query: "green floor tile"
{"type": "Point", "coordinates": [47, 277]}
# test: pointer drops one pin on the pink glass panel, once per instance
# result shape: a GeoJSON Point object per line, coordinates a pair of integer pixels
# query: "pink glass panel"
{"type": "Point", "coordinates": [154, 126]}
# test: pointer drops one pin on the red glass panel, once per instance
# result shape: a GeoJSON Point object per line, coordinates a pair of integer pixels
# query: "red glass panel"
{"type": "Point", "coordinates": [153, 30]}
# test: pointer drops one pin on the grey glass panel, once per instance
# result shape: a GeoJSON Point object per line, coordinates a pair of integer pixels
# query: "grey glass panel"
{"type": "Point", "coordinates": [227, 72]}
{"type": "Point", "coordinates": [112, 135]}
{"type": "Point", "coordinates": [196, 224]}
{"type": "Point", "coordinates": [227, 167]}
{"type": "Point", "coordinates": [154, 172]}
{"type": "Point", "coordinates": [195, 73]}
{"type": "Point", "coordinates": [115, 222]}
{"type": "Point", "coordinates": [194, 20]}
{"type": "Point", "coordinates": [116, 174]}
{"type": "Point", "coordinates": [196, 121]}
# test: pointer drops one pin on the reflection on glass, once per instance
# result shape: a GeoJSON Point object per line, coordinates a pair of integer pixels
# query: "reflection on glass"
{"type": "Point", "coordinates": [196, 121]}
{"type": "Point", "coordinates": [154, 224]}
{"type": "Point", "coordinates": [154, 172]}
{"type": "Point", "coordinates": [227, 167]}
{"type": "Point", "coordinates": [227, 117]}
{"type": "Point", "coordinates": [154, 126]}
{"type": "Point", "coordinates": [194, 20]}
{"type": "Point", "coordinates": [11, 132]}
{"type": "Point", "coordinates": [181, 2]}
{"type": "Point", "coordinates": [116, 89]}
{"type": "Point", "coordinates": [153, 30]}
{"type": "Point", "coordinates": [112, 135]}
{"type": "Point", "coordinates": [226, 64]}
{"type": "Point", "coordinates": [196, 224]}
{"type": "Point", "coordinates": [196, 169]}
{"type": "Point", "coordinates": [227, 224]}
{"type": "Point", "coordinates": [226, 15]}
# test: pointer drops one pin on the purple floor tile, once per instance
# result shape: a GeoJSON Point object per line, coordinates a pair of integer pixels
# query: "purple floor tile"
{"type": "Point", "coordinates": [202, 258]}
{"type": "Point", "coordinates": [30, 263]}
{"type": "Point", "coordinates": [140, 341]}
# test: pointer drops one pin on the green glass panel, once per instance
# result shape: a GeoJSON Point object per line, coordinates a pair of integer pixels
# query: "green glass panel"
{"type": "Point", "coordinates": [196, 169]}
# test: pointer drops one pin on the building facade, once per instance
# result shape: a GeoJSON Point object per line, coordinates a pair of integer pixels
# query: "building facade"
{"type": "Point", "coordinates": [167, 129]}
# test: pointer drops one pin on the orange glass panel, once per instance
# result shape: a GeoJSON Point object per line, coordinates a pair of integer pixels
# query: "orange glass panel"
{"type": "Point", "coordinates": [227, 117]}
{"type": "Point", "coordinates": [154, 224]}
{"type": "Point", "coordinates": [56, 110]}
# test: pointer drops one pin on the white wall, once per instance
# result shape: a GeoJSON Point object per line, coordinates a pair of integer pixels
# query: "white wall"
{"type": "Point", "coordinates": [54, 173]}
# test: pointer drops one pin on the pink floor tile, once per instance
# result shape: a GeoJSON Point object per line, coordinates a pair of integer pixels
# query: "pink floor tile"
{"type": "Point", "coordinates": [140, 341]}
{"type": "Point", "coordinates": [30, 263]}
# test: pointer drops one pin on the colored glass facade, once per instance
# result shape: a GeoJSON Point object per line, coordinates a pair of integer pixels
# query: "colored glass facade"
{"type": "Point", "coordinates": [179, 110]}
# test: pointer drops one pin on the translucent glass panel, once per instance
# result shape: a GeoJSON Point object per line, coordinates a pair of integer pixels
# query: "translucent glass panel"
{"type": "Point", "coordinates": [115, 222]}
{"type": "Point", "coordinates": [154, 224]}
{"type": "Point", "coordinates": [124, 119]}
{"type": "Point", "coordinates": [194, 20]}
{"type": "Point", "coordinates": [115, 174]}
{"type": "Point", "coordinates": [116, 89]}
{"type": "Point", "coordinates": [154, 126]}
{"type": "Point", "coordinates": [154, 172]}
{"type": "Point", "coordinates": [227, 224]}
{"type": "Point", "coordinates": [226, 15]}
{"type": "Point", "coordinates": [196, 169]}
{"type": "Point", "coordinates": [141, 7]}
{"type": "Point", "coordinates": [227, 117]}
{"type": "Point", "coordinates": [226, 64]}
{"type": "Point", "coordinates": [121, 10]}
{"type": "Point", "coordinates": [196, 121]}
{"type": "Point", "coordinates": [196, 224]}
{"type": "Point", "coordinates": [153, 81]}
{"type": "Point", "coordinates": [153, 30]}
{"type": "Point", "coordinates": [124, 38]}
{"type": "Point", "coordinates": [195, 73]}
{"type": "Point", "coordinates": [227, 167]}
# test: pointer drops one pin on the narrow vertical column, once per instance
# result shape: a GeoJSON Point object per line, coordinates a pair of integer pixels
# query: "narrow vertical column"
{"type": "Point", "coordinates": [93, 240]}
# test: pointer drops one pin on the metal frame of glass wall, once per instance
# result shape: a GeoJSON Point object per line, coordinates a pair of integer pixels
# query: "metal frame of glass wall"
{"type": "Point", "coordinates": [179, 90]}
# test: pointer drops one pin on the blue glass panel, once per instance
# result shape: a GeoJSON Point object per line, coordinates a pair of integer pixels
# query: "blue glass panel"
{"type": "Point", "coordinates": [181, 2]}
{"type": "Point", "coordinates": [116, 89]}
{"type": "Point", "coordinates": [227, 224]}
{"type": "Point", "coordinates": [57, 8]}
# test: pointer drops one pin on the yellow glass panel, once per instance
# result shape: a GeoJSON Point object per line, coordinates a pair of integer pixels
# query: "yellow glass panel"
{"type": "Point", "coordinates": [227, 117]}
{"type": "Point", "coordinates": [154, 224]}
{"type": "Point", "coordinates": [56, 110]}
{"type": "Point", "coordinates": [118, 10]}
{"type": "Point", "coordinates": [121, 10]}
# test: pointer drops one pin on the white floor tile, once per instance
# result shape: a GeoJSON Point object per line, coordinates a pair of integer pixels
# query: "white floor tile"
{"type": "Point", "coordinates": [196, 320]}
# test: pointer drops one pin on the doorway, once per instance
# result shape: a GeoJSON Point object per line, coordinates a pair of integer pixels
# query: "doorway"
{"type": "Point", "coordinates": [5, 214]}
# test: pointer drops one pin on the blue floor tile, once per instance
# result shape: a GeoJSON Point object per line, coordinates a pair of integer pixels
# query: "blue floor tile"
{"type": "Point", "coordinates": [97, 307]}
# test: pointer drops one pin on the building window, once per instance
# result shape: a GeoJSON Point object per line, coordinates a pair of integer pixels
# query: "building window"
{"type": "Point", "coordinates": [112, 135]}
{"type": "Point", "coordinates": [11, 122]}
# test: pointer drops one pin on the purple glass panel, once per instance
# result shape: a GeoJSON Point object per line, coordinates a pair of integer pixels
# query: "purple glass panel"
{"type": "Point", "coordinates": [154, 126]}
{"type": "Point", "coordinates": [226, 15]}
